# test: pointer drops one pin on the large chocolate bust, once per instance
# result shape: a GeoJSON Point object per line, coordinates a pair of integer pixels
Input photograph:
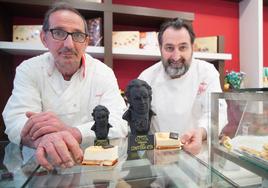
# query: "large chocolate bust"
{"type": "Point", "coordinates": [101, 125]}
{"type": "Point", "coordinates": [139, 113]}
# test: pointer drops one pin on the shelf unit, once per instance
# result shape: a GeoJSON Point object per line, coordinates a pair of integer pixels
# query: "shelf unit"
{"type": "Point", "coordinates": [18, 48]}
{"type": "Point", "coordinates": [111, 14]}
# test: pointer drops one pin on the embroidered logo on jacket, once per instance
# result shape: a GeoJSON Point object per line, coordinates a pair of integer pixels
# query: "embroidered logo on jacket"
{"type": "Point", "coordinates": [202, 88]}
{"type": "Point", "coordinates": [99, 95]}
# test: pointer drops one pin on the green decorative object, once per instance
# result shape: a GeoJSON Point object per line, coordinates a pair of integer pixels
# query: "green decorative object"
{"type": "Point", "coordinates": [265, 72]}
{"type": "Point", "coordinates": [234, 79]}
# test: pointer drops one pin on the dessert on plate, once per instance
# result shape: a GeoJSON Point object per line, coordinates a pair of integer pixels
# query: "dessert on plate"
{"type": "Point", "coordinates": [101, 155]}
{"type": "Point", "coordinates": [167, 140]}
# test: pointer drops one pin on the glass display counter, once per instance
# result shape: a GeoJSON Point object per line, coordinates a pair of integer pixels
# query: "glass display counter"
{"type": "Point", "coordinates": [237, 158]}
{"type": "Point", "coordinates": [17, 165]}
{"type": "Point", "coordinates": [152, 168]}
{"type": "Point", "coordinates": [240, 154]}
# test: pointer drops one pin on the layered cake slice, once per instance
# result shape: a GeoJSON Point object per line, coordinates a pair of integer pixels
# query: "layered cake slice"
{"type": "Point", "coordinates": [167, 140]}
{"type": "Point", "coordinates": [101, 155]}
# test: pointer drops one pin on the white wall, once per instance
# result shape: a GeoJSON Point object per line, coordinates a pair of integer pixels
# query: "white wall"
{"type": "Point", "coordinates": [251, 41]}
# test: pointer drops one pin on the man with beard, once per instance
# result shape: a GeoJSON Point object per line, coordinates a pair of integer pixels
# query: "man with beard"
{"type": "Point", "coordinates": [139, 113]}
{"type": "Point", "coordinates": [54, 93]}
{"type": "Point", "coordinates": [181, 86]}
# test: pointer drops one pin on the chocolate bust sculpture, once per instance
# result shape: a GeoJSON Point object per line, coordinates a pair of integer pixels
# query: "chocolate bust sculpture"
{"type": "Point", "coordinates": [101, 125]}
{"type": "Point", "coordinates": [139, 97]}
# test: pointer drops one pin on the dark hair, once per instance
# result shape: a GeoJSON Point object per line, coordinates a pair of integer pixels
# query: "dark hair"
{"type": "Point", "coordinates": [61, 6]}
{"type": "Point", "coordinates": [175, 23]}
{"type": "Point", "coordinates": [137, 83]}
{"type": "Point", "coordinates": [98, 109]}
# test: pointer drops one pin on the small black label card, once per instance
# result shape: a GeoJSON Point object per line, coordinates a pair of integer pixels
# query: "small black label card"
{"type": "Point", "coordinates": [174, 135]}
{"type": "Point", "coordinates": [140, 142]}
{"type": "Point", "coordinates": [107, 146]}
{"type": "Point", "coordinates": [103, 142]}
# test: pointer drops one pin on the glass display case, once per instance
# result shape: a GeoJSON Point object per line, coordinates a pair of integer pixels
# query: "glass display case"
{"type": "Point", "coordinates": [236, 158]}
{"type": "Point", "coordinates": [240, 153]}
{"type": "Point", "coordinates": [151, 168]}
{"type": "Point", "coordinates": [17, 165]}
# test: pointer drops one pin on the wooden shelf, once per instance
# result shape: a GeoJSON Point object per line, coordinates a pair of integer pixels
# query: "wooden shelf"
{"type": "Point", "coordinates": [141, 54]}
{"type": "Point", "coordinates": [17, 48]}
{"type": "Point", "coordinates": [38, 8]}
{"type": "Point", "coordinates": [136, 54]}
{"type": "Point", "coordinates": [212, 56]}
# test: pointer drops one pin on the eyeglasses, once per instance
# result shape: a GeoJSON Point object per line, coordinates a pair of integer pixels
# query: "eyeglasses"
{"type": "Point", "coordinates": [62, 35]}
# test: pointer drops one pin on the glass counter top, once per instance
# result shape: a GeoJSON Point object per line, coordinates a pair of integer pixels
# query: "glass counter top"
{"type": "Point", "coordinates": [17, 165]}
{"type": "Point", "coordinates": [151, 168]}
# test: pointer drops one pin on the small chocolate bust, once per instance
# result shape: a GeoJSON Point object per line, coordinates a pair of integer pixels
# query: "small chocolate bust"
{"type": "Point", "coordinates": [101, 125]}
{"type": "Point", "coordinates": [139, 97]}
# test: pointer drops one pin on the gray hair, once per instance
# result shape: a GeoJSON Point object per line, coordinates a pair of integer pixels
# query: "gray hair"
{"type": "Point", "coordinates": [61, 6]}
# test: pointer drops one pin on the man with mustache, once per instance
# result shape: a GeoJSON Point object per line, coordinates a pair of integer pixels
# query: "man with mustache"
{"type": "Point", "coordinates": [55, 93]}
{"type": "Point", "coordinates": [181, 86]}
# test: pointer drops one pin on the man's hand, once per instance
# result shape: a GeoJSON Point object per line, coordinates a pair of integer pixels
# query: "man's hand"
{"type": "Point", "coordinates": [58, 149]}
{"type": "Point", "coordinates": [40, 124]}
{"type": "Point", "coordinates": [192, 140]}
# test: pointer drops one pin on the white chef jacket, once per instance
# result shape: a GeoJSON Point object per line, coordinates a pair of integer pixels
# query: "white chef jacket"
{"type": "Point", "coordinates": [40, 87]}
{"type": "Point", "coordinates": [183, 103]}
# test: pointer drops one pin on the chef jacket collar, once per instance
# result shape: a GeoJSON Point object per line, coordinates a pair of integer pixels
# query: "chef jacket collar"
{"type": "Point", "coordinates": [52, 66]}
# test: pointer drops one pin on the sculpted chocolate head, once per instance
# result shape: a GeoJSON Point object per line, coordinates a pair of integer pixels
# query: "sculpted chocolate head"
{"type": "Point", "coordinates": [101, 126]}
{"type": "Point", "coordinates": [139, 97]}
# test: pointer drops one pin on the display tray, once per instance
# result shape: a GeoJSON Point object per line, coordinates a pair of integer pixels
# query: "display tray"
{"type": "Point", "coordinates": [249, 148]}
{"type": "Point", "coordinates": [253, 158]}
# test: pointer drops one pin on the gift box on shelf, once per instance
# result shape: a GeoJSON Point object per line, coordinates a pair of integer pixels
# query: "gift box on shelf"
{"type": "Point", "coordinates": [126, 39]}
{"type": "Point", "coordinates": [27, 33]}
{"type": "Point", "coordinates": [206, 44]}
